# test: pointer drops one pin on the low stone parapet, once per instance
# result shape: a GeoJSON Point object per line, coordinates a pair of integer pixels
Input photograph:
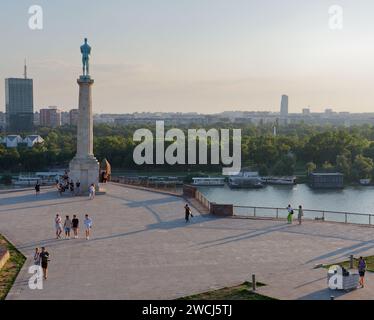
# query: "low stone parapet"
{"type": "Point", "coordinates": [189, 191]}
{"type": "Point", "coordinates": [222, 210]}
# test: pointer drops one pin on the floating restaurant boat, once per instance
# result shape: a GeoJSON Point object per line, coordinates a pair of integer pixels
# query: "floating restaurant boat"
{"type": "Point", "coordinates": [279, 180]}
{"type": "Point", "coordinates": [212, 182]}
{"type": "Point", "coordinates": [241, 182]}
{"type": "Point", "coordinates": [44, 178]}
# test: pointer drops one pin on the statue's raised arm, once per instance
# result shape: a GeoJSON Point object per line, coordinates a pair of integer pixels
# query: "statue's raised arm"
{"type": "Point", "coordinates": [86, 51]}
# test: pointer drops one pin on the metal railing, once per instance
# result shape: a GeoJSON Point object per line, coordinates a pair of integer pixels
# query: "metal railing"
{"type": "Point", "coordinates": [309, 214]}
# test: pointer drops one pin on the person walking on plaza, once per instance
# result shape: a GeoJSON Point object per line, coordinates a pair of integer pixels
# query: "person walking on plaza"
{"type": "Point", "coordinates": [58, 226]}
{"type": "Point", "coordinates": [37, 257]}
{"type": "Point", "coordinates": [67, 227]}
{"type": "Point", "coordinates": [88, 226]}
{"type": "Point", "coordinates": [75, 225]}
{"type": "Point", "coordinates": [44, 257]}
{"type": "Point", "coordinates": [290, 214]}
{"type": "Point", "coordinates": [72, 187]}
{"type": "Point", "coordinates": [188, 213]}
{"type": "Point", "coordinates": [37, 188]}
{"type": "Point", "coordinates": [300, 214]}
{"type": "Point", "coordinates": [362, 270]}
{"type": "Point", "coordinates": [91, 191]}
{"type": "Point", "coordinates": [77, 188]}
{"type": "Point", "coordinates": [60, 189]}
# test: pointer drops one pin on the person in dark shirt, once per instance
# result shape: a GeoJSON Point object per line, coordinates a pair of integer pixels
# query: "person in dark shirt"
{"type": "Point", "coordinates": [44, 257]}
{"type": "Point", "coordinates": [75, 223]}
{"type": "Point", "coordinates": [37, 188]}
{"type": "Point", "coordinates": [72, 187]}
{"type": "Point", "coordinates": [188, 213]}
{"type": "Point", "coordinates": [362, 270]}
{"type": "Point", "coordinates": [78, 188]}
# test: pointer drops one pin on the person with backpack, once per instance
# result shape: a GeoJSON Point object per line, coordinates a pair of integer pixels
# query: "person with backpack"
{"type": "Point", "coordinates": [362, 270]}
{"type": "Point", "coordinates": [290, 214]}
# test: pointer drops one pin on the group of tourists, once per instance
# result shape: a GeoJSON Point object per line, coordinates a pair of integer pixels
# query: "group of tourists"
{"type": "Point", "coordinates": [66, 185]}
{"type": "Point", "coordinates": [70, 225]}
{"type": "Point", "coordinates": [300, 214]}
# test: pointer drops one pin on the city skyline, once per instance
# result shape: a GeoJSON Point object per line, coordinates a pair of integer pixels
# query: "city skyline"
{"type": "Point", "coordinates": [210, 56]}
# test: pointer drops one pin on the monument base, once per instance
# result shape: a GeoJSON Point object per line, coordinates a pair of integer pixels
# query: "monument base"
{"type": "Point", "coordinates": [86, 170]}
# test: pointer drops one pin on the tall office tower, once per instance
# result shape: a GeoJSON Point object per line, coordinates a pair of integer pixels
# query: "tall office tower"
{"type": "Point", "coordinates": [19, 104]}
{"type": "Point", "coordinates": [50, 117]}
{"type": "Point", "coordinates": [284, 107]}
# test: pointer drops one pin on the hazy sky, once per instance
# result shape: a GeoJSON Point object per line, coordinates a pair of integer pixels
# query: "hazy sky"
{"type": "Point", "coordinates": [194, 55]}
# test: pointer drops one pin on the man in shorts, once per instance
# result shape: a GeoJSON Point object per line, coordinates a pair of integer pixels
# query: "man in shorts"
{"type": "Point", "coordinates": [44, 257]}
{"type": "Point", "coordinates": [88, 226]}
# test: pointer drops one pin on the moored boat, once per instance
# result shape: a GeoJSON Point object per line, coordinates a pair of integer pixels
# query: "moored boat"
{"type": "Point", "coordinates": [279, 180]}
{"type": "Point", "coordinates": [240, 182]}
{"type": "Point", "coordinates": [365, 182]}
{"type": "Point", "coordinates": [210, 182]}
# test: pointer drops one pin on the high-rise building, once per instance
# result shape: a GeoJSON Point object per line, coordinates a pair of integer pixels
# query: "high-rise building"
{"type": "Point", "coordinates": [50, 117]}
{"type": "Point", "coordinates": [74, 114]}
{"type": "Point", "coordinates": [284, 107]}
{"type": "Point", "coordinates": [65, 118]}
{"type": "Point", "coordinates": [36, 119]}
{"type": "Point", "coordinates": [2, 121]}
{"type": "Point", "coordinates": [19, 103]}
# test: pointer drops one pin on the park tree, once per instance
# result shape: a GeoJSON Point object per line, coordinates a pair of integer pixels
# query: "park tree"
{"type": "Point", "coordinates": [327, 167]}
{"type": "Point", "coordinates": [362, 167]}
{"type": "Point", "coordinates": [263, 170]}
{"type": "Point", "coordinates": [310, 167]}
{"type": "Point", "coordinates": [285, 166]}
{"type": "Point", "coordinates": [343, 165]}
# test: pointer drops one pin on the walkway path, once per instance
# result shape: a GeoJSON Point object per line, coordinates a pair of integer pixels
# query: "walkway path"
{"type": "Point", "coordinates": [142, 249]}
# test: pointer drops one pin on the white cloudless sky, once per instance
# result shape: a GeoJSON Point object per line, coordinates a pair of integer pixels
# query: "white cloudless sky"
{"type": "Point", "coordinates": [194, 55]}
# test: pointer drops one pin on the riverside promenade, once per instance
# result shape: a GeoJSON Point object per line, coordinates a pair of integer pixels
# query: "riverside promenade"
{"type": "Point", "coordinates": [141, 248]}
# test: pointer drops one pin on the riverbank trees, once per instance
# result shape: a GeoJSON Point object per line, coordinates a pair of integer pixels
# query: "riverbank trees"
{"type": "Point", "coordinates": [297, 148]}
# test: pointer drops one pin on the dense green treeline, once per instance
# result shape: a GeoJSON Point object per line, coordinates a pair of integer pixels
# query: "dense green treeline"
{"type": "Point", "coordinates": [297, 147]}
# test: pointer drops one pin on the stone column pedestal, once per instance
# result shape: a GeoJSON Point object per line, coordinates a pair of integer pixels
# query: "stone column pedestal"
{"type": "Point", "coordinates": [85, 167]}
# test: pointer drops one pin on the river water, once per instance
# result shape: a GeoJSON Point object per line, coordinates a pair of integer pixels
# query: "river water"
{"type": "Point", "coordinates": [358, 199]}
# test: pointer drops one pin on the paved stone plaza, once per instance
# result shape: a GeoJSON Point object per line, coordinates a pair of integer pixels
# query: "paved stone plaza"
{"type": "Point", "coordinates": [141, 248]}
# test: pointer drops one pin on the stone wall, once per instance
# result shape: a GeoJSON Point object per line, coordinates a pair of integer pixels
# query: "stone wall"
{"type": "Point", "coordinates": [189, 191]}
{"type": "Point", "coordinates": [222, 210]}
